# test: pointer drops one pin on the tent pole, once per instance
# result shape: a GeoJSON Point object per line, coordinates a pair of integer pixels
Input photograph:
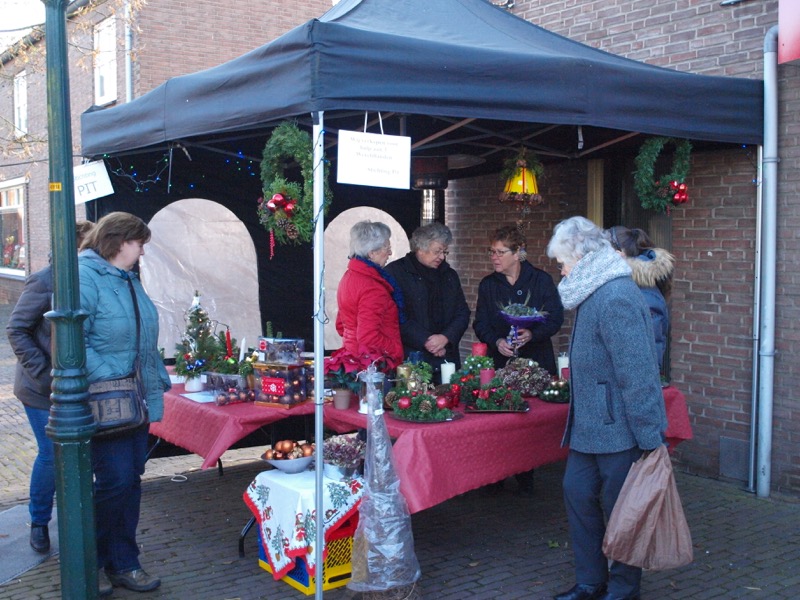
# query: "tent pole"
{"type": "Point", "coordinates": [317, 141]}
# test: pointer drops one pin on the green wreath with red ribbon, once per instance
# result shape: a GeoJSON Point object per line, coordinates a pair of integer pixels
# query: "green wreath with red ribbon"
{"type": "Point", "coordinates": [286, 210]}
{"type": "Point", "coordinates": [659, 193]}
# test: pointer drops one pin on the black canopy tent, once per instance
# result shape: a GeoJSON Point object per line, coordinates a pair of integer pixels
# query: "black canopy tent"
{"type": "Point", "coordinates": [457, 76]}
{"type": "Point", "coordinates": [449, 58]}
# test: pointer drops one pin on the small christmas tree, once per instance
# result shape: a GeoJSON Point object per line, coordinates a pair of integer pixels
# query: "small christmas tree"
{"type": "Point", "coordinates": [198, 346]}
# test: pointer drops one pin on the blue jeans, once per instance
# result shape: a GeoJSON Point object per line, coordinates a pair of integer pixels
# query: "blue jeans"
{"type": "Point", "coordinates": [591, 485]}
{"type": "Point", "coordinates": [118, 464]}
{"type": "Point", "coordinates": [43, 476]}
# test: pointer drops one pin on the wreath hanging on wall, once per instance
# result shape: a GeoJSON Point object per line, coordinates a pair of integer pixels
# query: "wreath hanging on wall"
{"type": "Point", "coordinates": [286, 210]}
{"type": "Point", "coordinates": [659, 193]}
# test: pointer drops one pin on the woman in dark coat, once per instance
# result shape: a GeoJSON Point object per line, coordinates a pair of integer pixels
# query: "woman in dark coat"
{"type": "Point", "coordinates": [29, 333]}
{"type": "Point", "coordinates": [617, 408]}
{"type": "Point", "coordinates": [516, 281]}
{"type": "Point", "coordinates": [437, 314]}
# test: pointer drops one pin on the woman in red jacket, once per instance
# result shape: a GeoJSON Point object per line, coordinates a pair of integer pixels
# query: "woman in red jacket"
{"type": "Point", "coordinates": [370, 301]}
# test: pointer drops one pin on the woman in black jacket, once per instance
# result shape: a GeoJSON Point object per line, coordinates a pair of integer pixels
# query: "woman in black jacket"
{"type": "Point", "coordinates": [516, 281]}
{"type": "Point", "coordinates": [29, 334]}
{"type": "Point", "coordinates": [437, 314]}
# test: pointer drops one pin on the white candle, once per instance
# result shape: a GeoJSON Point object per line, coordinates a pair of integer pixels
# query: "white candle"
{"type": "Point", "coordinates": [241, 350]}
{"type": "Point", "coordinates": [448, 369]}
{"type": "Point", "coordinates": [563, 363]}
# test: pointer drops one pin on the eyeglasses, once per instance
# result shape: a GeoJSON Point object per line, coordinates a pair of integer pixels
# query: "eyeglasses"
{"type": "Point", "coordinates": [441, 252]}
{"type": "Point", "coordinates": [497, 253]}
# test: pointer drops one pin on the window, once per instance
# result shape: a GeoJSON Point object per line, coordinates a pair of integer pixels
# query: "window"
{"type": "Point", "coordinates": [105, 62]}
{"type": "Point", "coordinates": [12, 226]}
{"type": "Point", "coordinates": [20, 104]}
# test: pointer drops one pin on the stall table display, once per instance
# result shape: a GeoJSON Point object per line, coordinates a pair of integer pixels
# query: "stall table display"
{"type": "Point", "coordinates": [209, 430]}
{"type": "Point", "coordinates": [437, 461]}
{"type": "Point", "coordinates": [283, 505]}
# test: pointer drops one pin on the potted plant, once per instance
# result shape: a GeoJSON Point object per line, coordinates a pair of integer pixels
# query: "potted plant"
{"type": "Point", "coordinates": [344, 385]}
{"type": "Point", "coordinates": [343, 455]}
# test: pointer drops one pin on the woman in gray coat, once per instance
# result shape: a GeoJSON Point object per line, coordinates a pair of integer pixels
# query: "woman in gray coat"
{"type": "Point", "coordinates": [617, 408]}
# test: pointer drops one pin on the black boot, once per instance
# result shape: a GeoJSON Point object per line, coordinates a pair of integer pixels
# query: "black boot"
{"type": "Point", "coordinates": [40, 538]}
{"type": "Point", "coordinates": [583, 591]}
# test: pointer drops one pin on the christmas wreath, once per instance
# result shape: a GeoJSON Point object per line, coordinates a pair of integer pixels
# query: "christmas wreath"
{"type": "Point", "coordinates": [286, 209]}
{"type": "Point", "coordinates": [658, 193]}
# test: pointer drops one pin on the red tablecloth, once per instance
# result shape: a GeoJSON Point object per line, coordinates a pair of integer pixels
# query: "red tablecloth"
{"type": "Point", "coordinates": [209, 430]}
{"type": "Point", "coordinates": [437, 461]}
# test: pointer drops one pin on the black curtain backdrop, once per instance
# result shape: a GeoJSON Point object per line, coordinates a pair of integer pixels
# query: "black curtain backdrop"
{"type": "Point", "coordinates": [286, 294]}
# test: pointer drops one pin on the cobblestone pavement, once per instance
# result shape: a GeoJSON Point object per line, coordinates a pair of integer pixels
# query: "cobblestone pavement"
{"type": "Point", "coordinates": [473, 546]}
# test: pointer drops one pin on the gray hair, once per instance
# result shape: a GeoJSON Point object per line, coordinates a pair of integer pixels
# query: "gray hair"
{"type": "Point", "coordinates": [424, 236]}
{"type": "Point", "coordinates": [574, 238]}
{"type": "Point", "coordinates": [368, 236]}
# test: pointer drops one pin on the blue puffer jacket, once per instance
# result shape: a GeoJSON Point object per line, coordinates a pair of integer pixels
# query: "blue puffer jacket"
{"type": "Point", "coordinates": [110, 329]}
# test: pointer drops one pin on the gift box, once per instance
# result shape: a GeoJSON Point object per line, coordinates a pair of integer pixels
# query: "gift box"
{"type": "Point", "coordinates": [229, 388]}
{"type": "Point", "coordinates": [336, 570]}
{"type": "Point", "coordinates": [280, 384]}
{"type": "Point", "coordinates": [280, 350]}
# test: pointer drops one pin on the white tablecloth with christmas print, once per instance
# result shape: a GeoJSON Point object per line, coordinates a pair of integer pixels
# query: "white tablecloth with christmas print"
{"type": "Point", "coordinates": [284, 507]}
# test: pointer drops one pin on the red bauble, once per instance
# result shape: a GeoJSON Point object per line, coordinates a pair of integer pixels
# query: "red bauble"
{"type": "Point", "coordinates": [673, 185]}
{"type": "Point", "coordinates": [279, 200]}
{"type": "Point", "coordinates": [442, 402]}
{"type": "Point", "coordinates": [289, 208]}
{"type": "Point", "coordinates": [404, 403]}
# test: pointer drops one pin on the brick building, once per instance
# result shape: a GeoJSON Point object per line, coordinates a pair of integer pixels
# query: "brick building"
{"type": "Point", "coordinates": [165, 40]}
{"type": "Point", "coordinates": [713, 236]}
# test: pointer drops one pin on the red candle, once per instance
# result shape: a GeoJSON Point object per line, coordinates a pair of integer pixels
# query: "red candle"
{"type": "Point", "coordinates": [486, 376]}
{"type": "Point", "coordinates": [479, 349]}
{"type": "Point", "coordinates": [228, 342]}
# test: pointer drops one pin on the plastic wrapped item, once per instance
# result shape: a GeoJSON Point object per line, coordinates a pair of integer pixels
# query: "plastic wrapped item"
{"type": "Point", "coordinates": [279, 350]}
{"type": "Point", "coordinates": [280, 384]}
{"type": "Point", "coordinates": [383, 545]}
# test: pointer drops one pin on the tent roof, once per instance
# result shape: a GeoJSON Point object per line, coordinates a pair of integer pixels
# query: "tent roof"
{"type": "Point", "coordinates": [458, 71]}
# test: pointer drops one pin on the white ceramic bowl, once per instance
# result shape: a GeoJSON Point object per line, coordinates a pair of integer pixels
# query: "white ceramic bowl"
{"type": "Point", "coordinates": [292, 465]}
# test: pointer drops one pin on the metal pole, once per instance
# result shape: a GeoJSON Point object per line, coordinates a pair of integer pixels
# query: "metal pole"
{"type": "Point", "coordinates": [71, 424]}
{"type": "Point", "coordinates": [769, 234]}
{"type": "Point", "coordinates": [318, 137]}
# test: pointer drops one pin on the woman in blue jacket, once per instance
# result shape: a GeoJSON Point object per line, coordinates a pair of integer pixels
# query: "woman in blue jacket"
{"type": "Point", "coordinates": [106, 264]}
{"type": "Point", "coordinates": [617, 409]}
{"type": "Point", "coordinates": [651, 269]}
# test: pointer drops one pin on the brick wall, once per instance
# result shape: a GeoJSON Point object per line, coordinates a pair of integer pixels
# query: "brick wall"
{"type": "Point", "coordinates": [183, 37]}
{"type": "Point", "coordinates": [714, 236]}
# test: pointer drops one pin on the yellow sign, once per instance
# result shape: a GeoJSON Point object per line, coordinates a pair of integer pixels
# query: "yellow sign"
{"type": "Point", "coordinates": [55, 186]}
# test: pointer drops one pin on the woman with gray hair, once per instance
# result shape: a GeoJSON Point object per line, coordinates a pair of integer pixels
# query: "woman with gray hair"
{"type": "Point", "coordinates": [370, 301]}
{"type": "Point", "coordinates": [616, 411]}
{"type": "Point", "coordinates": [436, 309]}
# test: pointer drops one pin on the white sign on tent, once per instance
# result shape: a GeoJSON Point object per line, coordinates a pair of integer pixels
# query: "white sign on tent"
{"type": "Point", "coordinates": [374, 159]}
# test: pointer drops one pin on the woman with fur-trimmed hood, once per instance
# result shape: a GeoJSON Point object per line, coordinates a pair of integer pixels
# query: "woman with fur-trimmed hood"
{"type": "Point", "coordinates": [652, 270]}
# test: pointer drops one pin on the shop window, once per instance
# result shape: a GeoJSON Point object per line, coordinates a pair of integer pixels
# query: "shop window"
{"type": "Point", "coordinates": [12, 226]}
{"type": "Point", "coordinates": [105, 62]}
{"type": "Point", "coordinates": [20, 104]}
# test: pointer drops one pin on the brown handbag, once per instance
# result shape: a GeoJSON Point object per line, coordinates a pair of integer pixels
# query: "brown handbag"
{"type": "Point", "coordinates": [647, 527]}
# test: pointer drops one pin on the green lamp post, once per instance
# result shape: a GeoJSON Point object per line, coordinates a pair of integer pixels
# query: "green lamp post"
{"type": "Point", "coordinates": [71, 423]}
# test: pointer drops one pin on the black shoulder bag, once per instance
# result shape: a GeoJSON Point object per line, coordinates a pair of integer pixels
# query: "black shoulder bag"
{"type": "Point", "coordinates": [119, 405]}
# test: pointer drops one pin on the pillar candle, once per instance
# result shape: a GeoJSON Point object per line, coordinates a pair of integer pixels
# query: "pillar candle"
{"type": "Point", "coordinates": [241, 350]}
{"type": "Point", "coordinates": [228, 343]}
{"type": "Point", "coordinates": [448, 369]}
{"type": "Point", "coordinates": [563, 363]}
{"type": "Point", "coordinates": [479, 349]}
{"type": "Point", "coordinates": [486, 376]}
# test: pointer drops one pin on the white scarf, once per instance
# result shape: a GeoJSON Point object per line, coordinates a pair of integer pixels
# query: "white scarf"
{"type": "Point", "coordinates": [589, 273]}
